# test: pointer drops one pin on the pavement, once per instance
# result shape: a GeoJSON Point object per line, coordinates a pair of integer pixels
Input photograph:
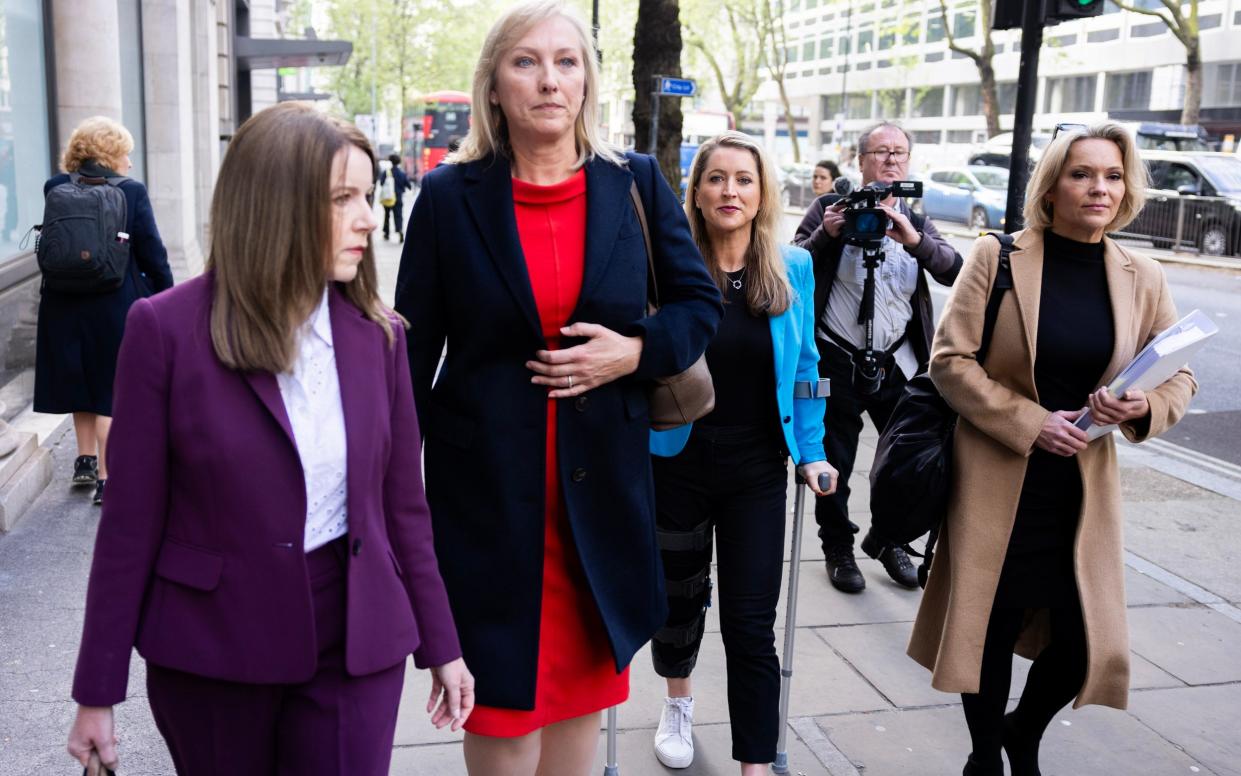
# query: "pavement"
{"type": "Point", "coordinates": [858, 704]}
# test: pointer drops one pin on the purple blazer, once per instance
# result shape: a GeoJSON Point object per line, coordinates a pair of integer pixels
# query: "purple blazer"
{"type": "Point", "coordinates": [199, 560]}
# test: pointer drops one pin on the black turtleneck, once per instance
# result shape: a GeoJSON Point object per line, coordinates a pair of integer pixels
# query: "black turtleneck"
{"type": "Point", "coordinates": [1075, 338]}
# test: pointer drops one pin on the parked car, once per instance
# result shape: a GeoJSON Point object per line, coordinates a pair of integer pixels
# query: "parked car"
{"type": "Point", "coordinates": [998, 151]}
{"type": "Point", "coordinates": [1194, 201]}
{"type": "Point", "coordinates": [972, 195]}
{"type": "Point", "coordinates": [796, 185]}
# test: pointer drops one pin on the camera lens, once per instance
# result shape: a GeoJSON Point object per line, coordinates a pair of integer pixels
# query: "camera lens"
{"type": "Point", "coordinates": [868, 223]}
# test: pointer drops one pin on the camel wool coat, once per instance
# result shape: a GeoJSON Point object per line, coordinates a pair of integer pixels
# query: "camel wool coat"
{"type": "Point", "coordinates": [1000, 419]}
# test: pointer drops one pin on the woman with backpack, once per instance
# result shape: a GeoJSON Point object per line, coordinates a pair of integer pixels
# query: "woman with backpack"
{"type": "Point", "coordinates": [392, 185]}
{"type": "Point", "coordinates": [89, 285]}
{"type": "Point", "coordinates": [1030, 556]}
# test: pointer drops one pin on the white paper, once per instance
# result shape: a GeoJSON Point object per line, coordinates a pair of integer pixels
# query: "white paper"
{"type": "Point", "coordinates": [1159, 360]}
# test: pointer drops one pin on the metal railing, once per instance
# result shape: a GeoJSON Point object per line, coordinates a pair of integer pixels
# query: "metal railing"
{"type": "Point", "coordinates": [1185, 222]}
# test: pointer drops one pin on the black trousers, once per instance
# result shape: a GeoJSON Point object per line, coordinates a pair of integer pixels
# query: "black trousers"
{"type": "Point", "coordinates": [732, 481]}
{"type": "Point", "coordinates": [393, 211]}
{"type": "Point", "coordinates": [842, 424]}
{"type": "Point", "coordinates": [1055, 678]}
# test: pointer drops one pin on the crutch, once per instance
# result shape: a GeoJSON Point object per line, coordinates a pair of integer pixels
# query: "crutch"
{"type": "Point", "coordinates": [610, 768]}
{"type": "Point", "coordinates": [781, 764]}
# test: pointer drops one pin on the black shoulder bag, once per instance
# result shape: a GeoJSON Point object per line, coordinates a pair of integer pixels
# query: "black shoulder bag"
{"type": "Point", "coordinates": [912, 473]}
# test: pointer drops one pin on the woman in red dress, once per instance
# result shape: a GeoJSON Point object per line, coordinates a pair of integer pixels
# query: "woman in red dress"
{"type": "Point", "coordinates": [526, 258]}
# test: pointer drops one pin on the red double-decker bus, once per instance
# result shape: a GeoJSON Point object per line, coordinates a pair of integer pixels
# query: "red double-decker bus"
{"type": "Point", "coordinates": [438, 120]}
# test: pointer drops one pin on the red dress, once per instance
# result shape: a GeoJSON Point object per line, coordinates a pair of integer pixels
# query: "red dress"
{"type": "Point", "coordinates": [576, 672]}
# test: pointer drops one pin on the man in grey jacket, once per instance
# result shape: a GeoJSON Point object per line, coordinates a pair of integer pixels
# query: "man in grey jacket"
{"type": "Point", "coordinates": [902, 328]}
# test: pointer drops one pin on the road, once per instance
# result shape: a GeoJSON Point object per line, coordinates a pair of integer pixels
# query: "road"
{"type": "Point", "coordinates": [1213, 425]}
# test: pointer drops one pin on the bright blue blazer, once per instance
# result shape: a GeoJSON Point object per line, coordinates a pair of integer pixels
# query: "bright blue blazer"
{"type": "Point", "coordinates": [796, 357]}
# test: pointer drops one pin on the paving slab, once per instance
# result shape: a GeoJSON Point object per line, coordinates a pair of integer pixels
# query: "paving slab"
{"type": "Point", "coordinates": [1204, 721]}
{"type": "Point", "coordinates": [1197, 539]}
{"type": "Point", "coordinates": [1195, 644]}
{"type": "Point", "coordinates": [1096, 741]}
{"type": "Point", "coordinates": [1141, 590]}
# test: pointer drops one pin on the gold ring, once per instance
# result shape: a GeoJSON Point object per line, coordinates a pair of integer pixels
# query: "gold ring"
{"type": "Point", "coordinates": [570, 378]}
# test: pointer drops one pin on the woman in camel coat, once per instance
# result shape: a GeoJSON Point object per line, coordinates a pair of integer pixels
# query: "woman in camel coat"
{"type": "Point", "coordinates": [1026, 540]}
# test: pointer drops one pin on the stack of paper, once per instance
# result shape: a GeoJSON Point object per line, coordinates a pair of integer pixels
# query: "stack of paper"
{"type": "Point", "coordinates": [1160, 359]}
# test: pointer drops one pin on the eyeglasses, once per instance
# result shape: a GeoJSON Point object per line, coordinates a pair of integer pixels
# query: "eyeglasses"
{"type": "Point", "coordinates": [883, 154]}
{"type": "Point", "coordinates": [1068, 128]}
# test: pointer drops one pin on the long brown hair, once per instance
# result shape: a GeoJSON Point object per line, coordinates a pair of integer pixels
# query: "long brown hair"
{"type": "Point", "coordinates": [768, 290]}
{"type": "Point", "coordinates": [271, 236]}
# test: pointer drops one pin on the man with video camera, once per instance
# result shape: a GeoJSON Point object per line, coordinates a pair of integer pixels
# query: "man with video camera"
{"type": "Point", "coordinates": [874, 323]}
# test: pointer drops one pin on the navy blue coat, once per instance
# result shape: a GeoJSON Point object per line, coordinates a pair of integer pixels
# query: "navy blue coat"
{"type": "Point", "coordinates": [79, 335]}
{"type": "Point", "coordinates": [463, 280]}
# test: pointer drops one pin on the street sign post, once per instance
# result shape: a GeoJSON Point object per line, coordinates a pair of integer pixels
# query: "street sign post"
{"type": "Point", "coordinates": [667, 86]}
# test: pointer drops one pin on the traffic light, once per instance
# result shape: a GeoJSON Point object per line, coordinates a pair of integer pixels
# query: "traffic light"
{"type": "Point", "coordinates": [1061, 10]}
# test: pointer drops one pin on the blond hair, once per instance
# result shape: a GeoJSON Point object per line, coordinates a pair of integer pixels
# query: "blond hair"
{"type": "Point", "coordinates": [488, 132]}
{"type": "Point", "coordinates": [272, 232]}
{"type": "Point", "coordinates": [1038, 212]}
{"type": "Point", "coordinates": [98, 139]}
{"type": "Point", "coordinates": [767, 288]}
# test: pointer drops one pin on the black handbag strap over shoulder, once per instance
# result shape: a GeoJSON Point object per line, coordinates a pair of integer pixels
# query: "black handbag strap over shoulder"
{"type": "Point", "coordinates": [1003, 282]}
{"type": "Point", "coordinates": [640, 210]}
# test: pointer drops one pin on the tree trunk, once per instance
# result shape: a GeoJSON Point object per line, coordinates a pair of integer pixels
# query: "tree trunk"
{"type": "Point", "coordinates": [789, 121]}
{"type": "Point", "coordinates": [1193, 84]}
{"type": "Point", "coordinates": [657, 51]}
{"type": "Point", "coordinates": [990, 96]}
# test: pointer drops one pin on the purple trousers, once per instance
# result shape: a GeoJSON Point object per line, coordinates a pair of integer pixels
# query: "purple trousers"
{"type": "Point", "coordinates": [332, 725]}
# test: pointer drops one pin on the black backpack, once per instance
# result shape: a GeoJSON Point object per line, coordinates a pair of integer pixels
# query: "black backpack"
{"type": "Point", "coordinates": [912, 474]}
{"type": "Point", "coordinates": [82, 246]}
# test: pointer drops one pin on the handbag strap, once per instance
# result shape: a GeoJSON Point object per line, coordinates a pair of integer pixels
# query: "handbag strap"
{"type": "Point", "coordinates": [1003, 282]}
{"type": "Point", "coordinates": [640, 210]}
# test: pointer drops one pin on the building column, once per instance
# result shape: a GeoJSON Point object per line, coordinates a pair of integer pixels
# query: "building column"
{"type": "Point", "coordinates": [88, 63]}
{"type": "Point", "coordinates": [168, 70]}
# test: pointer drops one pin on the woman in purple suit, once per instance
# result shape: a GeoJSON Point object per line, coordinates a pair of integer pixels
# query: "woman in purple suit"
{"type": "Point", "coordinates": [266, 544]}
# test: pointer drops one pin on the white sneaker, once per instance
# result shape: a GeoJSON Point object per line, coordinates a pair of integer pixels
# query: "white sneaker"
{"type": "Point", "coordinates": [674, 743]}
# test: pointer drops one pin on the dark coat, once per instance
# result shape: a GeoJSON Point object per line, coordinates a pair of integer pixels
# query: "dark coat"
{"type": "Point", "coordinates": [79, 335]}
{"type": "Point", "coordinates": [199, 561]}
{"type": "Point", "coordinates": [463, 279]}
{"type": "Point", "coordinates": [399, 180]}
{"type": "Point", "coordinates": [933, 254]}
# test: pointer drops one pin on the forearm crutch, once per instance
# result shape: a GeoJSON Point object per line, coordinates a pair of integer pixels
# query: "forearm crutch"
{"type": "Point", "coordinates": [610, 768]}
{"type": "Point", "coordinates": [781, 764]}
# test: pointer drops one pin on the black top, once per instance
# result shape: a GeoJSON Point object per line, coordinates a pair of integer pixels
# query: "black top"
{"type": "Point", "coordinates": [1075, 339]}
{"type": "Point", "coordinates": [742, 365]}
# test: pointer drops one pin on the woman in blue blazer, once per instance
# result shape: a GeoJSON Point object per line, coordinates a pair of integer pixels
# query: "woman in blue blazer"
{"type": "Point", "coordinates": [728, 472]}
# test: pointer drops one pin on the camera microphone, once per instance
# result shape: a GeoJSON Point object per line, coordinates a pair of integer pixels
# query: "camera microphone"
{"type": "Point", "coordinates": [842, 186]}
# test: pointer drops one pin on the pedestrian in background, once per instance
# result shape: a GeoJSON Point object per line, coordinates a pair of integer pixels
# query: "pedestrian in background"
{"type": "Point", "coordinates": [79, 334]}
{"type": "Point", "coordinates": [727, 473]}
{"type": "Point", "coordinates": [393, 180]}
{"type": "Point", "coordinates": [1030, 557]}
{"type": "Point", "coordinates": [266, 543]}
{"type": "Point", "coordinates": [902, 328]}
{"type": "Point", "coordinates": [824, 175]}
{"type": "Point", "coordinates": [527, 256]}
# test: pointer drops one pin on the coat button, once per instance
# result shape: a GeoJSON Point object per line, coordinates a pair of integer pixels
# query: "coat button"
{"type": "Point", "coordinates": [357, 546]}
{"type": "Point", "coordinates": [787, 419]}
{"type": "Point", "coordinates": [579, 475]}
{"type": "Point", "coordinates": [580, 403]}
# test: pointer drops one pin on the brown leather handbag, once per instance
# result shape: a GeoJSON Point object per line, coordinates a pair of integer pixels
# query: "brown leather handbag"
{"type": "Point", "coordinates": [681, 398]}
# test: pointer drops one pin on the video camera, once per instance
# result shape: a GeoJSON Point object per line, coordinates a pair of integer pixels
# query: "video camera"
{"type": "Point", "coordinates": [865, 224]}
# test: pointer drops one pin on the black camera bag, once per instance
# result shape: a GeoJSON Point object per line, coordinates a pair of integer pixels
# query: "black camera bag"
{"type": "Point", "coordinates": [912, 473]}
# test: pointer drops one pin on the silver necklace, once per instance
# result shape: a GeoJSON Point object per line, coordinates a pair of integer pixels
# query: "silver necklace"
{"type": "Point", "coordinates": [738, 281]}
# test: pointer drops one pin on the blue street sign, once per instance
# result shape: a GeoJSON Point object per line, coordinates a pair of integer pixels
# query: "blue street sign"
{"type": "Point", "coordinates": [677, 87]}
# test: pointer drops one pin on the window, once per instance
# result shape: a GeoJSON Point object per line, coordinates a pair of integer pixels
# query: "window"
{"type": "Point", "coordinates": [25, 158]}
{"type": "Point", "coordinates": [862, 66]}
{"type": "Point", "coordinates": [1103, 36]}
{"type": "Point", "coordinates": [934, 28]}
{"type": "Point", "coordinates": [1236, 19]}
{"type": "Point", "coordinates": [1006, 95]}
{"type": "Point", "coordinates": [966, 100]}
{"type": "Point", "coordinates": [1209, 22]}
{"type": "Point", "coordinates": [859, 106]}
{"type": "Point", "coordinates": [928, 102]}
{"type": "Point", "coordinates": [926, 136]}
{"type": "Point", "coordinates": [790, 54]}
{"type": "Point", "coordinates": [942, 177]}
{"type": "Point", "coordinates": [934, 56]}
{"type": "Point", "coordinates": [1074, 94]}
{"type": "Point", "coordinates": [1147, 30]}
{"type": "Point", "coordinates": [807, 51]}
{"type": "Point", "coordinates": [963, 24]}
{"type": "Point", "coordinates": [961, 136]}
{"type": "Point", "coordinates": [891, 103]}
{"type": "Point", "coordinates": [824, 70]}
{"type": "Point", "coordinates": [912, 28]}
{"type": "Point", "coordinates": [1128, 91]}
{"type": "Point", "coordinates": [958, 55]}
{"type": "Point", "coordinates": [1222, 85]}
{"type": "Point", "coordinates": [811, 4]}
{"type": "Point", "coordinates": [825, 48]}
{"type": "Point", "coordinates": [842, 45]}
{"type": "Point", "coordinates": [829, 105]}
{"type": "Point", "coordinates": [865, 41]}
{"type": "Point", "coordinates": [881, 64]}
{"type": "Point", "coordinates": [887, 39]}
{"type": "Point", "coordinates": [1178, 175]}
{"type": "Point", "coordinates": [1062, 41]}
